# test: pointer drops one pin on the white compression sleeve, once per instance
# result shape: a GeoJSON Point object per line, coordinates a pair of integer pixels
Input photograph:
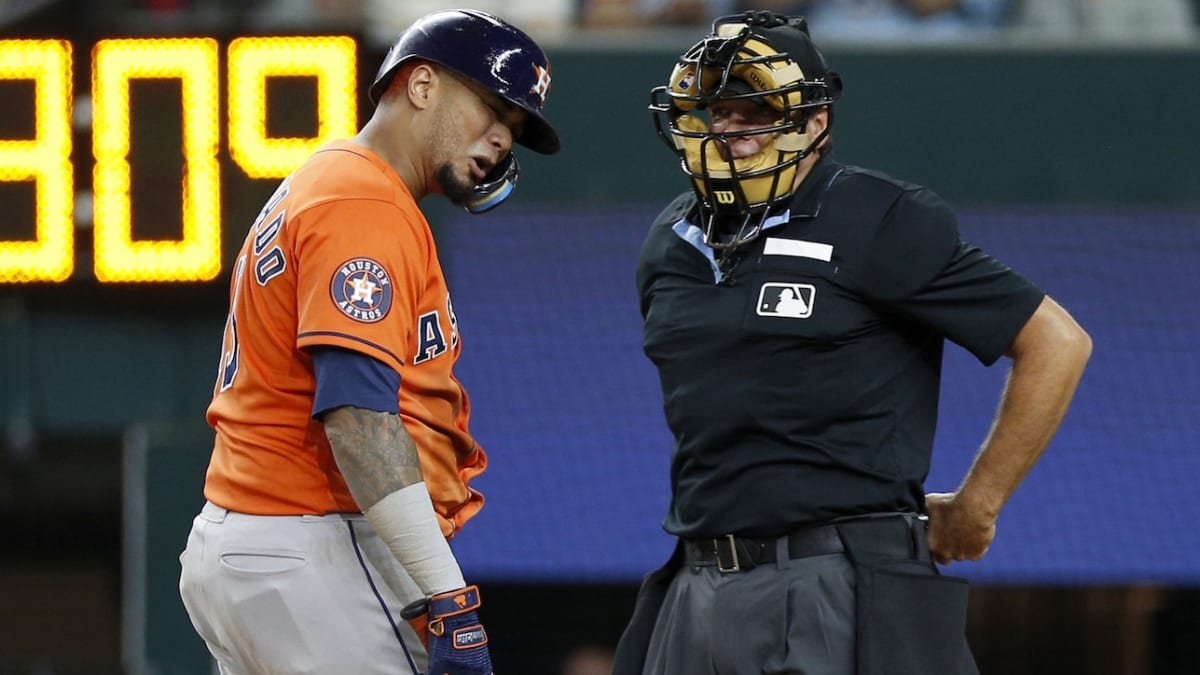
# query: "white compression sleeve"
{"type": "Point", "coordinates": [406, 522]}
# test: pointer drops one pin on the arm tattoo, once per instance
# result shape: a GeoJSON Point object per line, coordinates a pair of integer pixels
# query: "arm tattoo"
{"type": "Point", "coordinates": [374, 452]}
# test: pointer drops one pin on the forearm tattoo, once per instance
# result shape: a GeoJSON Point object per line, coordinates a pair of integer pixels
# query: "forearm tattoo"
{"type": "Point", "coordinates": [373, 451]}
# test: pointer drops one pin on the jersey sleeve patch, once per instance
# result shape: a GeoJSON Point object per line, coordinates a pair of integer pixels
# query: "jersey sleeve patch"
{"type": "Point", "coordinates": [362, 289]}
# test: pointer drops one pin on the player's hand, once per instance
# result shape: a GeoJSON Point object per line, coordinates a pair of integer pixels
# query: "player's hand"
{"type": "Point", "coordinates": [958, 530]}
{"type": "Point", "coordinates": [449, 624]}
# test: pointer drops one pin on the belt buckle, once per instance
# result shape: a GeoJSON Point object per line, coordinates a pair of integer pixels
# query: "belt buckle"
{"type": "Point", "coordinates": [735, 565]}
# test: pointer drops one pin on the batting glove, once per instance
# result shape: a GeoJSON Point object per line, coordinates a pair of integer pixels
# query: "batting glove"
{"type": "Point", "coordinates": [449, 624]}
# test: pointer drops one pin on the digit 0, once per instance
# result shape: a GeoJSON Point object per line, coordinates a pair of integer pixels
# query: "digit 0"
{"type": "Point", "coordinates": [197, 256]}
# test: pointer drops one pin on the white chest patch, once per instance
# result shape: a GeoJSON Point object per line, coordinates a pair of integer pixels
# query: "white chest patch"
{"type": "Point", "coordinates": [798, 248]}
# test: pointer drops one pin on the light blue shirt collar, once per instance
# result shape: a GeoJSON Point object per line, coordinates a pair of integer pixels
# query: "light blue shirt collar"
{"type": "Point", "coordinates": [693, 235]}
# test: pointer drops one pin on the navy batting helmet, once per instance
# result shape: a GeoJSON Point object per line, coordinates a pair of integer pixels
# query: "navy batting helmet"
{"type": "Point", "coordinates": [486, 49]}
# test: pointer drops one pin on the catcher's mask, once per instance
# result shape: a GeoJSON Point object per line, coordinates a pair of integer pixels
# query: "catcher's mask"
{"type": "Point", "coordinates": [756, 55]}
{"type": "Point", "coordinates": [498, 57]}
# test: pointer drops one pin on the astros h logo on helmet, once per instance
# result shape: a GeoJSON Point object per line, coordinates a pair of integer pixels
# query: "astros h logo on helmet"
{"type": "Point", "coordinates": [542, 86]}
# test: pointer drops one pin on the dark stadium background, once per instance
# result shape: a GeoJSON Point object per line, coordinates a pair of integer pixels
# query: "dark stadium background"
{"type": "Point", "coordinates": [1077, 165]}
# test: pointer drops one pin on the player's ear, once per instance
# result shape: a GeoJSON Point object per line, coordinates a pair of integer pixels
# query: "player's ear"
{"type": "Point", "coordinates": [422, 82]}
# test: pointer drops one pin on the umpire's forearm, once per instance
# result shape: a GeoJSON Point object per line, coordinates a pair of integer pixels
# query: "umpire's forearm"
{"type": "Point", "coordinates": [1049, 356]}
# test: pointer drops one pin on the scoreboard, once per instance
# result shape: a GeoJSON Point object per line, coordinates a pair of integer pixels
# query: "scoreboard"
{"type": "Point", "coordinates": [162, 222]}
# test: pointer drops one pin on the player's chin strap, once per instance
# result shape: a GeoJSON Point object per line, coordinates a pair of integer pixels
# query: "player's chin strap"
{"type": "Point", "coordinates": [495, 187]}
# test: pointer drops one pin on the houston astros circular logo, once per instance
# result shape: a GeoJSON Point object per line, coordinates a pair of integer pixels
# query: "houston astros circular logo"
{"type": "Point", "coordinates": [362, 290]}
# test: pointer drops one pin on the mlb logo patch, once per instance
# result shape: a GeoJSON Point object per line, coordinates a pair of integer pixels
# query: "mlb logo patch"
{"type": "Point", "coordinates": [687, 80]}
{"type": "Point", "coordinates": [787, 300]}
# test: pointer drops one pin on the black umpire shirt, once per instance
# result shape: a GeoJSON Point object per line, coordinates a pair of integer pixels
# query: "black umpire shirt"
{"type": "Point", "coordinates": [802, 384]}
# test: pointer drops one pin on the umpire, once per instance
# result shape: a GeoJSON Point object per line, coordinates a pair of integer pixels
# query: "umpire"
{"type": "Point", "coordinates": [796, 310]}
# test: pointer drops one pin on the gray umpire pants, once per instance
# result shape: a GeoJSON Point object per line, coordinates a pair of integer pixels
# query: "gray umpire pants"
{"type": "Point", "coordinates": [789, 616]}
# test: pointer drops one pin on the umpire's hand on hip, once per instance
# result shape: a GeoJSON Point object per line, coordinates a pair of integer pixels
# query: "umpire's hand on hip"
{"type": "Point", "coordinates": [958, 529]}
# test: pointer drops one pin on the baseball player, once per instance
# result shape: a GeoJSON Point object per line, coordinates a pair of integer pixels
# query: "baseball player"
{"type": "Point", "coordinates": [343, 458]}
{"type": "Point", "coordinates": [796, 310]}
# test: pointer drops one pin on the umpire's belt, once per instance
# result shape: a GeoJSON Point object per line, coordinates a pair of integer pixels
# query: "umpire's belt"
{"type": "Point", "coordinates": [889, 536]}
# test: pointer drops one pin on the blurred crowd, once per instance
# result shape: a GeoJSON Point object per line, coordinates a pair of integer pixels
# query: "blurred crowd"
{"type": "Point", "coordinates": [930, 20]}
{"type": "Point", "coordinates": [1155, 22]}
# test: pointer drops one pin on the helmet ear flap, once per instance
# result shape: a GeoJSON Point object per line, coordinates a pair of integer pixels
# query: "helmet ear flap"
{"type": "Point", "coordinates": [496, 186]}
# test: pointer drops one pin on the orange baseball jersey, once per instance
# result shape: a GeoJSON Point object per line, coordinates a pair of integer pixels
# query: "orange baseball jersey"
{"type": "Point", "coordinates": [339, 256]}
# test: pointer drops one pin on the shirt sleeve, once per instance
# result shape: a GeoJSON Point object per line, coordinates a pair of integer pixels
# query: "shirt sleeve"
{"type": "Point", "coordinates": [922, 269]}
{"type": "Point", "coordinates": [348, 378]}
{"type": "Point", "coordinates": [360, 263]}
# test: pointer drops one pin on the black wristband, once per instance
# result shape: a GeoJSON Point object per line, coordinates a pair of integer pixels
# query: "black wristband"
{"type": "Point", "coordinates": [415, 609]}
